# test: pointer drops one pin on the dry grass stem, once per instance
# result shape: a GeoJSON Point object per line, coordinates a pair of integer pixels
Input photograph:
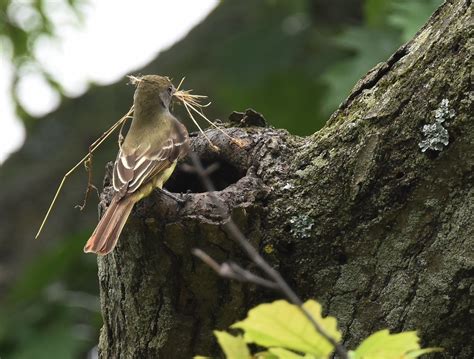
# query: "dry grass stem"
{"type": "Point", "coordinates": [213, 146]}
{"type": "Point", "coordinates": [190, 101]}
{"type": "Point", "coordinates": [92, 148]}
{"type": "Point", "coordinates": [180, 83]}
{"type": "Point", "coordinates": [237, 141]}
{"type": "Point", "coordinates": [194, 102]}
{"type": "Point", "coordinates": [134, 79]}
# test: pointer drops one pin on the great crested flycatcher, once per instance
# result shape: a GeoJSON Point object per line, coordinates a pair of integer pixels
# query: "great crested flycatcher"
{"type": "Point", "coordinates": [146, 159]}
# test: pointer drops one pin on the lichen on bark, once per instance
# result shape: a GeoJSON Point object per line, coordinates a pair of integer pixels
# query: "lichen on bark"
{"type": "Point", "coordinates": [355, 216]}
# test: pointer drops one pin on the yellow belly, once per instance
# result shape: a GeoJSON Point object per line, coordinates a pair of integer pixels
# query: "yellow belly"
{"type": "Point", "coordinates": [160, 179]}
{"type": "Point", "coordinates": [157, 182]}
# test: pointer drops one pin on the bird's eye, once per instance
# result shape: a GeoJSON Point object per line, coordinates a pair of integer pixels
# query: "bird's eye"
{"type": "Point", "coordinates": [170, 90]}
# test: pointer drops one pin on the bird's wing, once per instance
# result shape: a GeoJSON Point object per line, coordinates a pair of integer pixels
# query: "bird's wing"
{"type": "Point", "coordinates": [133, 169]}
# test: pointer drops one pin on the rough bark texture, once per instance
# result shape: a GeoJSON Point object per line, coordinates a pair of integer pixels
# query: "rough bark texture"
{"type": "Point", "coordinates": [356, 216]}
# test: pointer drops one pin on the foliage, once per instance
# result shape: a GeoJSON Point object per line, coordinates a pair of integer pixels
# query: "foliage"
{"type": "Point", "coordinates": [296, 75]}
{"type": "Point", "coordinates": [22, 25]}
{"type": "Point", "coordinates": [283, 60]}
{"type": "Point", "coordinates": [281, 324]}
{"type": "Point", "coordinates": [233, 347]}
{"type": "Point", "coordinates": [383, 345]}
{"type": "Point", "coordinates": [52, 311]}
{"type": "Point", "coordinates": [285, 333]}
{"type": "Point", "coordinates": [387, 25]}
{"type": "Point", "coordinates": [408, 16]}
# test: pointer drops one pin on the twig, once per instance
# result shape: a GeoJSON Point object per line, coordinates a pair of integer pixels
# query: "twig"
{"type": "Point", "coordinates": [233, 270]}
{"type": "Point", "coordinates": [234, 232]}
{"type": "Point", "coordinates": [92, 148]}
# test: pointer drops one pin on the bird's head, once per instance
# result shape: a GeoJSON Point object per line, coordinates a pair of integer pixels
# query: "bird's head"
{"type": "Point", "coordinates": [153, 91]}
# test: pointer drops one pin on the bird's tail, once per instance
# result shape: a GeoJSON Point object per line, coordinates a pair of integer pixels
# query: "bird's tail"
{"type": "Point", "coordinates": [107, 232]}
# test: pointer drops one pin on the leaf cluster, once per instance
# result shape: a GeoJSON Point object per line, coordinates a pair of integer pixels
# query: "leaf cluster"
{"type": "Point", "coordinates": [284, 332]}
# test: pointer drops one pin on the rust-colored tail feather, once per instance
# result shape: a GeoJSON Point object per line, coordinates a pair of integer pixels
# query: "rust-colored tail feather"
{"type": "Point", "coordinates": [107, 232]}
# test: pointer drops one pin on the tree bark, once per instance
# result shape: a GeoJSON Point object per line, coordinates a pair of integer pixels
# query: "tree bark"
{"type": "Point", "coordinates": [355, 216]}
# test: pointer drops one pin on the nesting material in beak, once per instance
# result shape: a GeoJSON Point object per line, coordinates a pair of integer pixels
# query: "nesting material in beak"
{"type": "Point", "coordinates": [194, 103]}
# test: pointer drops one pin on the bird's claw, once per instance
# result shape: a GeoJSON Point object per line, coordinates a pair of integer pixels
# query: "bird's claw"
{"type": "Point", "coordinates": [184, 198]}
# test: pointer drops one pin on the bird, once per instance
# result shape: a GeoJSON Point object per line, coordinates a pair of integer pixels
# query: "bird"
{"type": "Point", "coordinates": [146, 159]}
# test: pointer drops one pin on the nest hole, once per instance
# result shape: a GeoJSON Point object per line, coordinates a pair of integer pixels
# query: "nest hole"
{"type": "Point", "coordinates": [186, 180]}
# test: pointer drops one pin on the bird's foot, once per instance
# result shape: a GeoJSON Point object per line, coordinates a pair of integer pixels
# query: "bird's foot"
{"type": "Point", "coordinates": [179, 200]}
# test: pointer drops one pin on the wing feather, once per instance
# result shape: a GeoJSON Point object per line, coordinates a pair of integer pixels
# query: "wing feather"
{"type": "Point", "coordinates": [133, 169]}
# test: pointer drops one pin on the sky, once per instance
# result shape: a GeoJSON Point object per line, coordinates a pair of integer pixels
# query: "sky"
{"type": "Point", "coordinates": [102, 50]}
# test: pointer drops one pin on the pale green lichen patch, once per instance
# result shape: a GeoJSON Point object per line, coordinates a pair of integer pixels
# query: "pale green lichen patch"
{"type": "Point", "coordinates": [436, 136]}
{"type": "Point", "coordinates": [301, 226]}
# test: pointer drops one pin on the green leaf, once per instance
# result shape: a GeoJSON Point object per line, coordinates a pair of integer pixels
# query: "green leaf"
{"type": "Point", "coordinates": [383, 345]}
{"type": "Point", "coordinates": [285, 354]}
{"type": "Point", "coordinates": [418, 353]}
{"type": "Point", "coordinates": [265, 355]}
{"type": "Point", "coordinates": [233, 347]}
{"type": "Point", "coordinates": [281, 324]}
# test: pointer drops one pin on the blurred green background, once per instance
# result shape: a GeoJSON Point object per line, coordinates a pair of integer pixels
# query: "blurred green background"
{"type": "Point", "coordinates": [292, 60]}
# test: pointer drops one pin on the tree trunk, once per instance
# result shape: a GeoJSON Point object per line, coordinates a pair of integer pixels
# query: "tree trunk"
{"type": "Point", "coordinates": [356, 216]}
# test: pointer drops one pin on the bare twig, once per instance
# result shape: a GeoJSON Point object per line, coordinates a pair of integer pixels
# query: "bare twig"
{"type": "Point", "coordinates": [234, 232]}
{"type": "Point", "coordinates": [232, 270]}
